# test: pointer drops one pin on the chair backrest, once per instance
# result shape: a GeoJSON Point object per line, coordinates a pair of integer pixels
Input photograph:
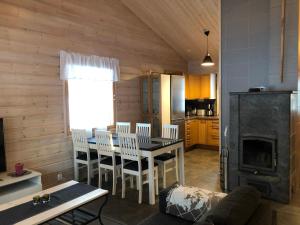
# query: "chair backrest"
{"type": "Point", "coordinates": [104, 143]}
{"type": "Point", "coordinates": [123, 127]}
{"type": "Point", "coordinates": [80, 143]}
{"type": "Point", "coordinates": [143, 129]}
{"type": "Point", "coordinates": [170, 131]}
{"type": "Point", "coordinates": [129, 146]}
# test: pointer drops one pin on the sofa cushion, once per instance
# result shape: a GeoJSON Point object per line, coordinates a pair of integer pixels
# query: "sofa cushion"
{"type": "Point", "coordinates": [164, 219]}
{"type": "Point", "coordinates": [190, 203]}
{"type": "Point", "coordinates": [263, 215]}
{"type": "Point", "coordinates": [236, 208]}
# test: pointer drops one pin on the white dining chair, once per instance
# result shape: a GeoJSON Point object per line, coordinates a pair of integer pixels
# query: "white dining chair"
{"type": "Point", "coordinates": [137, 167]}
{"type": "Point", "coordinates": [168, 159]}
{"type": "Point", "coordinates": [82, 154]}
{"type": "Point", "coordinates": [143, 129]}
{"type": "Point", "coordinates": [107, 158]}
{"type": "Point", "coordinates": [123, 127]}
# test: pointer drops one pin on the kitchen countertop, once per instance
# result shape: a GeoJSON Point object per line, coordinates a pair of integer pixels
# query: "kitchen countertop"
{"type": "Point", "coordinates": [202, 117]}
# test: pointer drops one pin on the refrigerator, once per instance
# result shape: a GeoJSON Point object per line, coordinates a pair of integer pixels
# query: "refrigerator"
{"type": "Point", "coordinates": [177, 103]}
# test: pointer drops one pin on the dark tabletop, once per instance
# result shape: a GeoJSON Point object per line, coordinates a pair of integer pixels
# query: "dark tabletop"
{"type": "Point", "coordinates": [145, 143]}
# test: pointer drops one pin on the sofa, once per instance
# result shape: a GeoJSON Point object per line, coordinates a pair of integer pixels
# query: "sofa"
{"type": "Point", "coordinates": [243, 206]}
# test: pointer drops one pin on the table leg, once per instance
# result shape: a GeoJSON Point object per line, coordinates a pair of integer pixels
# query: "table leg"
{"type": "Point", "coordinates": [100, 209]}
{"type": "Point", "coordinates": [181, 165]}
{"type": "Point", "coordinates": [151, 180]}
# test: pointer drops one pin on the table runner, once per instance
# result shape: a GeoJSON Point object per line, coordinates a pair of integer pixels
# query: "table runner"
{"type": "Point", "coordinates": [145, 143]}
{"type": "Point", "coordinates": [26, 210]}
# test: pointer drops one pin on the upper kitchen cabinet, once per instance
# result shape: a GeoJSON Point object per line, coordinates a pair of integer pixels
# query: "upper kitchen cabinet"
{"type": "Point", "coordinates": [163, 102]}
{"type": "Point", "coordinates": [155, 92]}
{"type": "Point", "coordinates": [197, 86]}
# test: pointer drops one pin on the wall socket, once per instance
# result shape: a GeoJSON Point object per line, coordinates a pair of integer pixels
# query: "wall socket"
{"type": "Point", "coordinates": [59, 176]}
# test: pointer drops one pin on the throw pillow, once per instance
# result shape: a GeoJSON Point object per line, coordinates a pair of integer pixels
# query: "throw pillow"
{"type": "Point", "coordinates": [191, 203]}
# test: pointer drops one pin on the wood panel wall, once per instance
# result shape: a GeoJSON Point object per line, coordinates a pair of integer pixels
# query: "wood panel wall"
{"type": "Point", "coordinates": [31, 94]}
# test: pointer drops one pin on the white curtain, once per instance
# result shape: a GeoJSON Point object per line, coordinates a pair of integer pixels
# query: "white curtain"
{"type": "Point", "coordinates": [74, 66]}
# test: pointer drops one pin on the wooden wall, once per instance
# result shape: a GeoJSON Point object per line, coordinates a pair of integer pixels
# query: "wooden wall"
{"type": "Point", "coordinates": [31, 94]}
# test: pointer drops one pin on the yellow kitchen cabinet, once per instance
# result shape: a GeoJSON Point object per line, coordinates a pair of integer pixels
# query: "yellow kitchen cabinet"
{"type": "Point", "coordinates": [194, 87]}
{"type": "Point", "coordinates": [187, 87]}
{"type": "Point", "coordinates": [191, 133]}
{"type": "Point", "coordinates": [197, 86]}
{"type": "Point", "coordinates": [188, 134]}
{"type": "Point", "coordinates": [194, 132]}
{"type": "Point", "coordinates": [213, 132]}
{"type": "Point", "coordinates": [204, 86]}
{"type": "Point", "coordinates": [202, 130]}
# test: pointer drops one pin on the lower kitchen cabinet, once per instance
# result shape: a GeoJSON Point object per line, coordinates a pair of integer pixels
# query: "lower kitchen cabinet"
{"type": "Point", "coordinates": [191, 133]}
{"type": "Point", "coordinates": [201, 132]}
{"type": "Point", "coordinates": [213, 132]}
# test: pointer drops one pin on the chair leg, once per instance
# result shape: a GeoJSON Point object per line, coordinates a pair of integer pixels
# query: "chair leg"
{"type": "Point", "coordinates": [131, 181]}
{"type": "Point", "coordinates": [100, 178]}
{"type": "Point", "coordinates": [114, 181]}
{"type": "Point", "coordinates": [140, 188]}
{"type": "Point", "coordinates": [76, 172]}
{"type": "Point", "coordinates": [156, 181]}
{"type": "Point", "coordinates": [89, 173]}
{"type": "Point", "coordinates": [137, 183]}
{"type": "Point", "coordinates": [176, 166]}
{"type": "Point", "coordinates": [123, 185]}
{"type": "Point", "coordinates": [106, 175]}
{"type": "Point", "coordinates": [164, 176]}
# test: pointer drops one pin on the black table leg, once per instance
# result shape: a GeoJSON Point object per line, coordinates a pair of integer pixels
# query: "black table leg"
{"type": "Point", "coordinates": [100, 209]}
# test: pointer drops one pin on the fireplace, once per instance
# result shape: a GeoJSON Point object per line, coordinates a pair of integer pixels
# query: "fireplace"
{"type": "Point", "coordinates": [261, 145]}
{"type": "Point", "coordinates": [258, 154]}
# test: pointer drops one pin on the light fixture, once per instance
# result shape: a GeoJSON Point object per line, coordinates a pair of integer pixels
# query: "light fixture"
{"type": "Point", "coordinates": [207, 61]}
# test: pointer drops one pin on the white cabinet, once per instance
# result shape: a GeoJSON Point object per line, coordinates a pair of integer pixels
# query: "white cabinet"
{"type": "Point", "coordinates": [12, 188]}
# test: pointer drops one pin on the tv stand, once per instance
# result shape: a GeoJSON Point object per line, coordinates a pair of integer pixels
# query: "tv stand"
{"type": "Point", "coordinates": [12, 188]}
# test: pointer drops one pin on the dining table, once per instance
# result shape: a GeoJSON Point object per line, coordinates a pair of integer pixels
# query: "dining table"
{"type": "Point", "coordinates": [150, 148]}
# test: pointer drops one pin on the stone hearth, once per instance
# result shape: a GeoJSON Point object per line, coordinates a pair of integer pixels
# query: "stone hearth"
{"type": "Point", "coordinates": [262, 142]}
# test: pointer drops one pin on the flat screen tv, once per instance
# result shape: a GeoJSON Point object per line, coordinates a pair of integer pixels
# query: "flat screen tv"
{"type": "Point", "coordinates": [2, 150]}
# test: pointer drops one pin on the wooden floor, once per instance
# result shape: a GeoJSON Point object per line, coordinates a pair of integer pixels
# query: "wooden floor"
{"type": "Point", "coordinates": [288, 214]}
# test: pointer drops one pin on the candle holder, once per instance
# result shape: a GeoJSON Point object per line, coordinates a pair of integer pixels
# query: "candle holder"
{"type": "Point", "coordinates": [46, 198]}
{"type": "Point", "coordinates": [36, 200]}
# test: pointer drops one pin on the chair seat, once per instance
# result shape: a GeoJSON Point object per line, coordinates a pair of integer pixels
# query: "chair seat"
{"type": "Point", "coordinates": [108, 160]}
{"type": "Point", "coordinates": [83, 156]}
{"type": "Point", "coordinates": [134, 165]}
{"type": "Point", "coordinates": [165, 157]}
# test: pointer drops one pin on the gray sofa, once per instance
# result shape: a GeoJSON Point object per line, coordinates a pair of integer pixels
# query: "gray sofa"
{"type": "Point", "coordinates": [243, 206]}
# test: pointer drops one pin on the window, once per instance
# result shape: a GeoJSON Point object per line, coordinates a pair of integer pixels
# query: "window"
{"type": "Point", "coordinates": [90, 104]}
{"type": "Point", "coordinates": [90, 89]}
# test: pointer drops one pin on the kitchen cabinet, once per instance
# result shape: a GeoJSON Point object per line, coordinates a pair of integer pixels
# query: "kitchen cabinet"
{"type": "Point", "coordinates": [155, 101]}
{"type": "Point", "coordinates": [191, 132]}
{"type": "Point", "coordinates": [197, 86]}
{"type": "Point", "coordinates": [194, 132]}
{"type": "Point", "coordinates": [201, 132]}
{"type": "Point", "coordinates": [213, 132]}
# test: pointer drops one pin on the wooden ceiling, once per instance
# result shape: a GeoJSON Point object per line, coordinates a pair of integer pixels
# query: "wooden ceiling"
{"type": "Point", "coordinates": [181, 23]}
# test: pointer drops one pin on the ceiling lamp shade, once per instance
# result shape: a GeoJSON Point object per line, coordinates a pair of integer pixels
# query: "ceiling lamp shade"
{"type": "Point", "coordinates": [207, 61]}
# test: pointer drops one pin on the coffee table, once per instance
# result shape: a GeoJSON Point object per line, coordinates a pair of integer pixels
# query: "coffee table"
{"type": "Point", "coordinates": [65, 204]}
